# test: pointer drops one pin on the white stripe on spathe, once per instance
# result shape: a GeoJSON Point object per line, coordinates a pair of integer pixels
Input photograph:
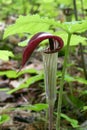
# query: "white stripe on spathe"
{"type": "Point", "coordinates": [45, 34]}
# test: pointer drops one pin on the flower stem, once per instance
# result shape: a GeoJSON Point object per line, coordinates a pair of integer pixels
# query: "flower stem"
{"type": "Point", "coordinates": [51, 106]}
{"type": "Point", "coordinates": [50, 69]}
{"type": "Point", "coordinates": [62, 83]}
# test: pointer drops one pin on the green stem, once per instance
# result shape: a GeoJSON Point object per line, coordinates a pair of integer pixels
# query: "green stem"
{"type": "Point", "coordinates": [75, 10]}
{"type": "Point", "coordinates": [81, 48]}
{"type": "Point", "coordinates": [82, 7]}
{"type": "Point", "coordinates": [83, 60]}
{"type": "Point", "coordinates": [62, 83]}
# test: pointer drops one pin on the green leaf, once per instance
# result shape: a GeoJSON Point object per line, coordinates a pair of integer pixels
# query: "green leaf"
{"type": "Point", "coordinates": [81, 80]}
{"type": "Point", "coordinates": [4, 118]}
{"type": "Point", "coordinates": [84, 92]}
{"type": "Point", "coordinates": [9, 73]}
{"type": "Point", "coordinates": [70, 78]}
{"type": "Point", "coordinates": [75, 39]}
{"type": "Point", "coordinates": [23, 43]}
{"type": "Point", "coordinates": [27, 83]}
{"type": "Point", "coordinates": [4, 55]}
{"type": "Point", "coordinates": [29, 24]}
{"type": "Point", "coordinates": [85, 51]}
{"type": "Point", "coordinates": [85, 4]}
{"type": "Point", "coordinates": [4, 89]}
{"type": "Point", "coordinates": [14, 74]}
{"type": "Point", "coordinates": [84, 108]}
{"type": "Point", "coordinates": [78, 103]}
{"type": "Point", "coordinates": [73, 122]}
{"type": "Point", "coordinates": [36, 107]}
{"type": "Point", "coordinates": [34, 23]}
{"type": "Point", "coordinates": [65, 2]}
{"type": "Point", "coordinates": [46, 1]}
{"type": "Point", "coordinates": [76, 26]}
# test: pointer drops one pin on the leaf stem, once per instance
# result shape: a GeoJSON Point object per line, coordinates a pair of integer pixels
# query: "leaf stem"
{"type": "Point", "coordinates": [62, 83]}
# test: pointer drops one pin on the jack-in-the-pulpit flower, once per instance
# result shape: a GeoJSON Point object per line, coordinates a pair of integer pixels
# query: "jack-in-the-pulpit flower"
{"type": "Point", "coordinates": [55, 44]}
{"type": "Point", "coordinates": [50, 65]}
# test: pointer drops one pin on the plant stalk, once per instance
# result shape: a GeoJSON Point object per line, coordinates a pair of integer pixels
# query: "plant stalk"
{"type": "Point", "coordinates": [81, 47]}
{"type": "Point", "coordinates": [50, 69]}
{"type": "Point", "coordinates": [75, 10]}
{"type": "Point", "coordinates": [82, 9]}
{"type": "Point", "coordinates": [62, 83]}
{"type": "Point", "coordinates": [83, 60]}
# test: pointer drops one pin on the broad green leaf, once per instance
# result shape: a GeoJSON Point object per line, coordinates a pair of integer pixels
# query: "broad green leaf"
{"type": "Point", "coordinates": [4, 55]}
{"type": "Point", "coordinates": [47, 1]}
{"type": "Point", "coordinates": [23, 43]}
{"type": "Point", "coordinates": [73, 122]}
{"type": "Point", "coordinates": [65, 2]}
{"type": "Point", "coordinates": [76, 26]}
{"type": "Point", "coordinates": [4, 118]}
{"type": "Point", "coordinates": [14, 74]}
{"type": "Point", "coordinates": [29, 24]}
{"type": "Point", "coordinates": [36, 107]}
{"type": "Point", "coordinates": [42, 1]}
{"type": "Point", "coordinates": [27, 83]}
{"type": "Point", "coordinates": [34, 23]}
{"type": "Point", "coordinates": [75, 39]}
